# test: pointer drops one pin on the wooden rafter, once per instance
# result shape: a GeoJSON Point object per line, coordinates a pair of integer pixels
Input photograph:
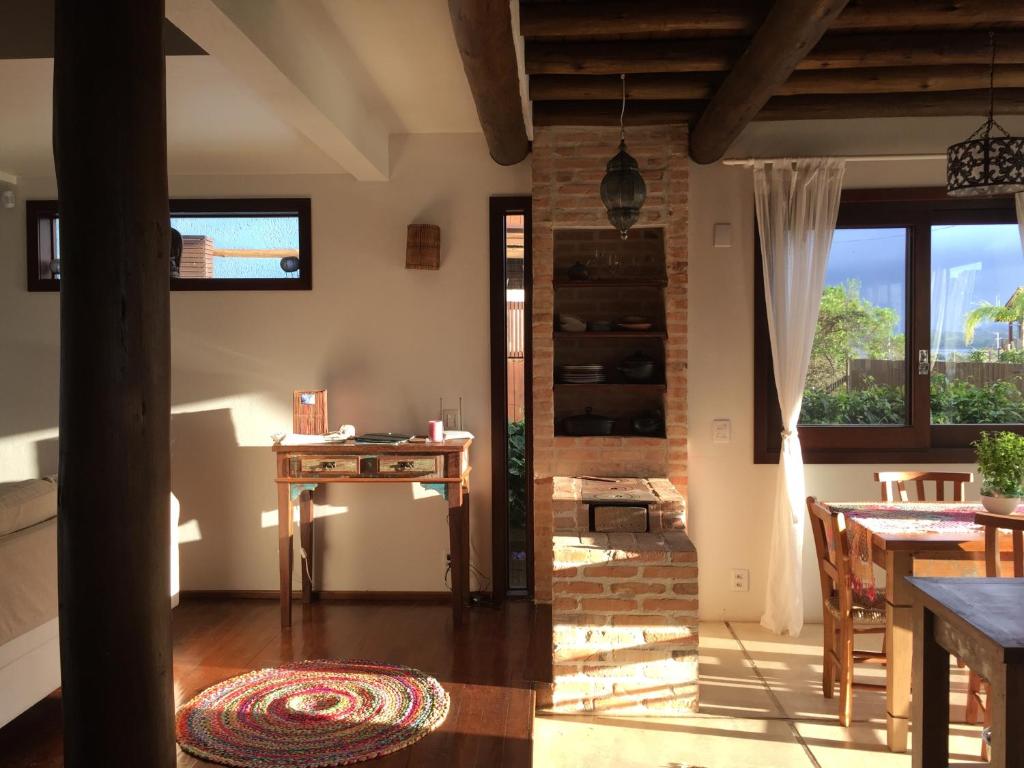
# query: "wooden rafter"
{"type": "Point", "coordinates": [738, 17]}
{"type": "Point", "coordinates": [840, 81]}
{"type": "Point", "coordinates": [789, 32]}
{"type": "Point", "coordinates": [483, 32]}
{"type": "Point", "coordinates": [1009, 101]}
{"type": "Point", "coordinates": [718, 55]}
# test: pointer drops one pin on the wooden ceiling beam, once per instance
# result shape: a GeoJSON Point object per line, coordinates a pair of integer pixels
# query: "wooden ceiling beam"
{"type": "Point", "coordinates": [483, 33]}
{"type": "Point", "coordinates": [658, 17]}
{"type": "Point", "coordinates": [789, 32]}
{"type": "Point", "coordinates": [1009, 101]}
{"type": "Point", "coordinates": [607, 113]}
{"type": "Point", "coordinates": [839, 81]}
{"type": "Point", "coordinates": [666, 18]}
{"type": "Point", "coordinates": [718, 55]}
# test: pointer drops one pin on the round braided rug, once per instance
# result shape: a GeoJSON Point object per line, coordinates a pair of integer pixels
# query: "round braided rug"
{"type": "Point", "coordinates": [311, 714]}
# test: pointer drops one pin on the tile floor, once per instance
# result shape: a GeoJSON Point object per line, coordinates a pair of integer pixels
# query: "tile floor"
{"type": "Point", "coordinates": [761, 705]}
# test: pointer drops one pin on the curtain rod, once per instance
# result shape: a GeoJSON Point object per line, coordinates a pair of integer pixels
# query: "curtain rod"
{"type": "Point", "coordinates": [747, 161]}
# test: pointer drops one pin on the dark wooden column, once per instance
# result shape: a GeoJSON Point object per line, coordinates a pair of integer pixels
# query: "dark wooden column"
{"type": "Point", "coordinates": [110, 149]}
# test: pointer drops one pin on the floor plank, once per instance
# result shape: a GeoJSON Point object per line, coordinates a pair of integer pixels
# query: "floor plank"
{"type": "Point", "coordinates": [482, 665]}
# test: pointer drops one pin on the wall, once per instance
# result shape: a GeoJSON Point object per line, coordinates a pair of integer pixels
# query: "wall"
{"type": "Point", "coordinates": [387, 342]}
{"type": "Point", "coordinates": [730, 498]}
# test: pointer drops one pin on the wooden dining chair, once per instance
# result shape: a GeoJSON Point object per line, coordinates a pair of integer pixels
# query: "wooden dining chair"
{"type": "Point", "coordinates": [844, 616]}
{"type": "Point", "coordinates": [977, 686]}
{"type": "Point", "coordinates": [894, 485]}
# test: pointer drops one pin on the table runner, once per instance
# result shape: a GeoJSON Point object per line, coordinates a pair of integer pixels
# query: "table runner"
{"type": "Point", "coordinates": [865, 518]}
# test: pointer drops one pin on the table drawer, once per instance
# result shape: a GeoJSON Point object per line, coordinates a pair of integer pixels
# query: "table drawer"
{"type": "Point", "coordinates": [409, 465]}
{"type": "Point", "coordinates": [323, 466]}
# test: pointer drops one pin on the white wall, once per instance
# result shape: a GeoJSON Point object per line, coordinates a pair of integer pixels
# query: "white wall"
{"type": "Point", "coordinates": [730, 497]}
{"type": "Point", "coordinates": [387, 342]}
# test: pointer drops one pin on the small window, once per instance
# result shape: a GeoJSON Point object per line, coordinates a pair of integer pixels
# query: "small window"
{"type": "Point", "coordinates": [259, 244]}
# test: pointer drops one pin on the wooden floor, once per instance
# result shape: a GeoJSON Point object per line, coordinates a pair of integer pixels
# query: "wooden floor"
{"type": "Point", "coordinates": [483, 666]}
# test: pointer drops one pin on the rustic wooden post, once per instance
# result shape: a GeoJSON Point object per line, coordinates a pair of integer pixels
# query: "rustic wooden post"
{"type": "Point", "coordinates": [110, 153]}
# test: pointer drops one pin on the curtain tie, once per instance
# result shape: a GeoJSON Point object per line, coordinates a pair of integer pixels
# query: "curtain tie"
{"type": "Point", "coordinates": [787, 433]}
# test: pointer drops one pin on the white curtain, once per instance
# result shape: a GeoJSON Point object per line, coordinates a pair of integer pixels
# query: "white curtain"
{"type": "Point", "coordinates": [797, 202]}
{"type": "Point", "coordinates": [1019, 197]}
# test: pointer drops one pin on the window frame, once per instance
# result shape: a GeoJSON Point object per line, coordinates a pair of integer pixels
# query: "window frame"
{"type": "Point", "coordinates": [35, 210]}
{"type": "Point", "coordinates": [917, 209]}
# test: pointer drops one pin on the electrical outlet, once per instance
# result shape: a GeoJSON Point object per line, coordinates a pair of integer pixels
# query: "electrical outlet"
{"type": "Point", "coordinates": [740, 580]}
{"type": "Point", "coordinates": [450, 417]}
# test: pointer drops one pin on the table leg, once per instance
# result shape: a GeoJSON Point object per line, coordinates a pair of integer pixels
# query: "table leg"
{"type": "Point", "coordinates": [931, 694]}
{"type": "Point", "coordinates": [899, 648]}
{"type": "Point", "coordinates": [284, 551]}
{"type": "Point", "coordinates": [457, 523]}
{"type": "Point", "coordinates": [1006, 702]}
{"type": "Point", "coordinates": [306, 542]}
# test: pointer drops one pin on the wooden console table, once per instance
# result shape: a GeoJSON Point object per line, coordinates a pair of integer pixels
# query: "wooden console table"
{"type": "Point", "coordinates": [300, 468]}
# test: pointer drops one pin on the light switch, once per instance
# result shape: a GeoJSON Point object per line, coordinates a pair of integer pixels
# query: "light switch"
{"type": "Point", "coordinates": [722, 237]}
{"type": "Point", "coordinates": [721, 431]}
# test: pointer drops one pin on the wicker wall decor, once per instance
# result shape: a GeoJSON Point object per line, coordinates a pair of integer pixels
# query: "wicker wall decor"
{"type": "Point", "coordinates": [423, 247]}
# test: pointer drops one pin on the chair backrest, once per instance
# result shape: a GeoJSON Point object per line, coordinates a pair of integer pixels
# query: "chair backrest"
{"type": "Point", "coordinates": [894, 485]}
{"type": "Point", "coordinates": [993, 524]}
{"type": "Point", "coordinates": [832, 552]}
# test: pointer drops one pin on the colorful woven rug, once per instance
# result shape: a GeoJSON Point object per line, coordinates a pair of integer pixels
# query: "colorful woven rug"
{"type": "Point", "coordinates": [311, 714]}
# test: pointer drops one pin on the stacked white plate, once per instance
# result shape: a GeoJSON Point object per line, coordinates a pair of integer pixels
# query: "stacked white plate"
{"type": "Point", "coordinates": [583, 374]}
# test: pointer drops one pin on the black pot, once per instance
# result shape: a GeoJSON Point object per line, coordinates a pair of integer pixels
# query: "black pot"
{"type": "Point", "coordinates": [637, 367]}
{"type": "Point", "coordinates": [588, 424]}
{"type": "Point", "coordinates": [647, 424]}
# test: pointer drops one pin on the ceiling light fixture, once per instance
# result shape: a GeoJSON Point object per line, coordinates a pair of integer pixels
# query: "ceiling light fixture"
{"type": "Point", "coordinates": [985, 165]}
{"type": "Point", "coordinates": [623, 190]}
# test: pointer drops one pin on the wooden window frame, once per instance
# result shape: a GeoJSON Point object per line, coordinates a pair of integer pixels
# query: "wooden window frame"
{"type": "Point", "coordinates": [500, 206]}
{"type": "Point", "coordinates": [919, 440]}
{"type": "Point", "coordinates": [298, 206]}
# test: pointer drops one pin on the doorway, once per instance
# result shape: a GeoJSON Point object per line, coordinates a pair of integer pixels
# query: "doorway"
{"type": "Point", "coordinates": [511, 377]}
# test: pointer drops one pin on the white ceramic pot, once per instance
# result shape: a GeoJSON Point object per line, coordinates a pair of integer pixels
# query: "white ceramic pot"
{"type": "Point", "coordinates": [1000, 505]}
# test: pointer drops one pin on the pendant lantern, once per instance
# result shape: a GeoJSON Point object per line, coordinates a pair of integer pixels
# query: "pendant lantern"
{"type": "Point", "coordinates": [991, 161]}
{"type": "Point", "coordinates": [623, 190]}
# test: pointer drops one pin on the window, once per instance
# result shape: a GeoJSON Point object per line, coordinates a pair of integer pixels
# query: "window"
{"type": "Point", "coordinates": [258, 244]}
{"type": "Point", "coordinates": [919, 340]}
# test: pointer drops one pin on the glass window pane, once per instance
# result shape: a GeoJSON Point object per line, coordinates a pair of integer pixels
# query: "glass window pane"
{"type": "Point", "coordinates": [857, 373]}
{"type": "Point", "coordinates": [977, 300]}
{"type": "Point", "coordinates": [226, 246]}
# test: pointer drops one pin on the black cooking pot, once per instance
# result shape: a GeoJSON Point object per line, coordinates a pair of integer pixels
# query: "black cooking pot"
{"type": "Point", "coordinates": [637, 367]}
{"type": "Point", "coordinates": [648, 423]}
{"type": "Point", "coordinates": [588, 424]}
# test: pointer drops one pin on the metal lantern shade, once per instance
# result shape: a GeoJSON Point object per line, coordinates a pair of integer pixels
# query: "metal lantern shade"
{"type": "Point", "coordinates": [623, 191]}
{"type": "Point", "coordinates": [985, 165]}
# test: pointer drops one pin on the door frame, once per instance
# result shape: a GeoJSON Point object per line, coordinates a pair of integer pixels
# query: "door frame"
{"type": "Point", "coordinates": [500, 206]}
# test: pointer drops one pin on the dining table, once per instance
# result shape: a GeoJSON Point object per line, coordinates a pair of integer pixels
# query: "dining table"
{"type": "Point", "coordinates": [906, 539]}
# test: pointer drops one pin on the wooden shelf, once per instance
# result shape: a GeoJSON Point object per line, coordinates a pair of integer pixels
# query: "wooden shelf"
{"type": "Point", "coordinates": [619, 385]}
{"type": "Point", "coordinates": [615, 436]}
{"type": "Point", "coordinates": [623, 282]}
{"type": "Point", "coordinates": [611, 335]}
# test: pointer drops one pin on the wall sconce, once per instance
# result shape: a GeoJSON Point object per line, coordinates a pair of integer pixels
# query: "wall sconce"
{"type": "Point", "coordinates": [423, 247]}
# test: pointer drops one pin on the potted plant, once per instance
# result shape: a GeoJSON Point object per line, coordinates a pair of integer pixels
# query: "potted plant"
{"type": "Point", "coordinates": [1001, 464]}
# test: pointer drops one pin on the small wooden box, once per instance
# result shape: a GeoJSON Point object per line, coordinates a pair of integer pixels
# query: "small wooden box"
{"type": "Point", "coordinates": [309, 412]}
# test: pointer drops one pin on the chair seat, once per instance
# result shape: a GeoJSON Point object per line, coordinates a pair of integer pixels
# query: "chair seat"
{"type": "Point", "coordinates": [863, 613]}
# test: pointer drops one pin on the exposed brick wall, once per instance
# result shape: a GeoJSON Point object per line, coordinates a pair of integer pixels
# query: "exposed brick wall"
{"type": "Point", "coordinates": [624, 625]}
{"type": "Point", "coordinates": [568, 165]}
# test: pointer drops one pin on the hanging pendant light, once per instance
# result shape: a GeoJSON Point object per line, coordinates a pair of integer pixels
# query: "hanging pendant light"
{"type": "Point", "coordinates": [623, 190]}
{"type": "Point", "coordinates": [986, 165]}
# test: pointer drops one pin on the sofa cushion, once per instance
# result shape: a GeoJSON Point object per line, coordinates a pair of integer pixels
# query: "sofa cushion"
{"type": "Point", "coordinates": [25, 503]}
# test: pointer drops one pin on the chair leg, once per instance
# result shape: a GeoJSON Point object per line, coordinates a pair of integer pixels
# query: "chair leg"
{"type": "Point", "coordinates": [986, 722]}
{"type": "Point", "coordinates": [828, 645]}
{"type": "Point", "coordinates": [973, 690]}
{"type": "Point", "coordinates": [845, 671]}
